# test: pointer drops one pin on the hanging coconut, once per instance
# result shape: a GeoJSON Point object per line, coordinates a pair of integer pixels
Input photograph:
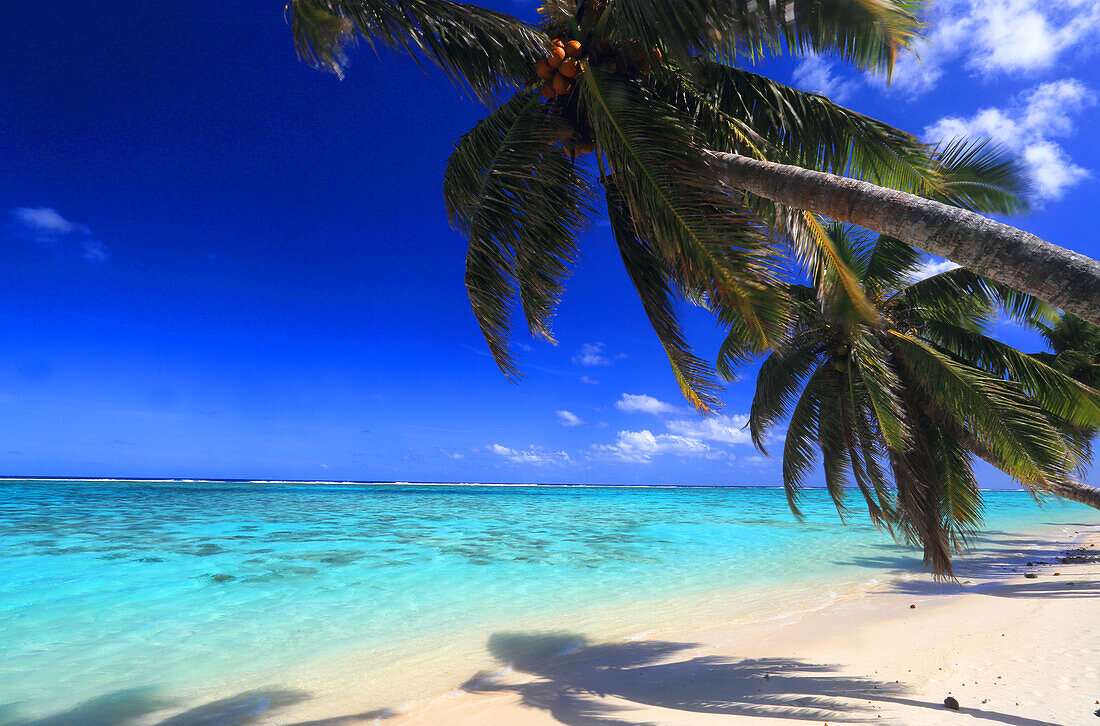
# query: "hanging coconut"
{"type": "Point", "coordinates": [585, 146]}
{"type": "Point", "coordinates": [573, 49]}
{"type": "Point", "coordinates": [569, 68]}
{"type": "Point", "coordinates": [562, 85]}
{"type": "Point", "coordinates": [544, 70]}
{"type": "Point", "coordinates": [548, 91]}
{"type": "Point", "coordinates": [557, 43]}
{"type": "Point", "coordinates": [557, 55]}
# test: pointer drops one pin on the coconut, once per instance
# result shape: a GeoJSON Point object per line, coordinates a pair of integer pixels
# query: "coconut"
{"type": "Point", "coordinates": [557, 43]}
{"type": "Point", "coordinates": [562, 85]}
{"type": "Point", "coordinates": [548, 91]}
{"type": "Point", "coordinates": [585, 147]}
{"type": "Point", "coordinates": [569, 68]}
{"type": "Point", "coordinates": [544, 70]}
{"type": "Point", "coordinates": [573, 49]}
{"type": "Point", "coordinates": [557, 55]}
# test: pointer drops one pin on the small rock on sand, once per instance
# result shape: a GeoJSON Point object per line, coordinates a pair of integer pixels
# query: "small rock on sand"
{"type": "Point", "coordinates": [912, 607]}
{"type": "Point", "coordinates": [1030, 575]}
{"type": "Point", "coordinates": [951, 703]}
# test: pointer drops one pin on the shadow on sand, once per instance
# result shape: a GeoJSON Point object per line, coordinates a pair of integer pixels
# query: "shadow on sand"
{"type": "Point", "coordinates": [583, 684]}
{"type": "Point", "coordinates": [137, 705]}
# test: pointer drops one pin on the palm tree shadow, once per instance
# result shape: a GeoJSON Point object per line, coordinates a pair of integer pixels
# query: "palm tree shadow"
{"type": "Point", "coordinates": [137, 705]}
{"type": "Point", "coordinates": [574, 679]}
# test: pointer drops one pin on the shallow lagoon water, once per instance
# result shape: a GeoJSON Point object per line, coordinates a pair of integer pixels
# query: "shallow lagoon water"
{"type": "Point", "coordinates": [205, 589]}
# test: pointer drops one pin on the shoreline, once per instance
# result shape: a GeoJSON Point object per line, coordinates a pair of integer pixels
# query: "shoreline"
{"type": "Point", "coordinates": [864, 655]}
{"type": "Point", "coordinates": [891, 653]}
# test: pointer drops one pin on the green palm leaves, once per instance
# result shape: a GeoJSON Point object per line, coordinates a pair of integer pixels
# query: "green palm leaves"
{"type": "Point", "coordinates": [918, 391]}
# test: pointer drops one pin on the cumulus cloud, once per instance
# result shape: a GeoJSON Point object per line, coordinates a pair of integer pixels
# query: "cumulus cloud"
{"type": "Point", "coordinates": [568, 418]}
{"type": "Point", "coordinates": [535, 455]}
{"type": "Point", "coordinates": [719, 428]}
{"type": "Point", "coordinates": [1026, 125]}
{"type": "Point", "coordinates": [589, 381]}
{"type": "Point", "coordinates": [706, 438]}
{"type": "Point", "coordinates": [997, 37]}
{"type": "Point", "coordinates": [641, 403]}
{"type": "Point", "coordinates": [815, 74]}
{"type": "Point", "coordinates": [45, 226]}
{"type": "Point", "coordinates": [639, 447]}
{"type": "Point", "coordinates": [591, 354]}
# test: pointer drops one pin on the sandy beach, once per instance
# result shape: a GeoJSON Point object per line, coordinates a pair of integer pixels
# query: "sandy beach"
{"type": "Point", "coordinates": [1013, 643]}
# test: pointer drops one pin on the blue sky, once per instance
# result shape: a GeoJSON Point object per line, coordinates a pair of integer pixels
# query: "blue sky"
{"type": "Point", "coordinates": [221, 263]}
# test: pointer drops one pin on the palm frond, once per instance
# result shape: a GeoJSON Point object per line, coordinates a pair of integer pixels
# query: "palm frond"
{"type": "Point", "coordinates": [997, 412]}
{"type": "Point", "coordinates": [520, 203]}
{"type": "Point", "coordinates": [865, 33]}
{"type": "Point", "coordinates": [982, 177]}
{"type": "Point", "coordinates": [651, 281]}
{"type": "Point", "coordinates": [801, 436]}
{"type": "Point", "coordinates": [809, 130]}
{"type": "Point", "coordinates": [780, 377]}
{"type": "Point", "coordinates": [681, 207]}
{"type": "Point", "coordinates": [962, 294]}
{"type": "Point", "coordinates": [832, 437]}
{"type": "Point", "coordinates": [880, 381]}
{"type": "Point", "coordinates": [891, 262]}
{"type": "Point", "coordinates": [1053, 390]}
{"type": "Point", "coordinates": [491, 52]}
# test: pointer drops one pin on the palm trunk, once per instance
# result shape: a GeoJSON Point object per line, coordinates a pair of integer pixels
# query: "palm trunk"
{"type": "Point", "coordinates": [1062, 278]}
{"type": "Point", "coordinates": [1077, 492]}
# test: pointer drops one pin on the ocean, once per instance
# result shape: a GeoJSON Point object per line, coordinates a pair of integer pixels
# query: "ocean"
{"type": "Point", "coordinates": [123, 600]}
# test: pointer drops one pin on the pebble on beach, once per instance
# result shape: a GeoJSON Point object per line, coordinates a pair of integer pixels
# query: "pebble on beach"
{"type": "Point", "coordinates": [951, 703]}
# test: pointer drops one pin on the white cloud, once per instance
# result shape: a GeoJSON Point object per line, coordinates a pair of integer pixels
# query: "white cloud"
{"type": "Point", "coordinates": [589, 381]}
{"type": "Point", "coordinates": [1025, 126]}
{"type": "Point", "coordinates": [641, 403]}
{"type": "Point", "coordinates": [591, 354]}
{"type": "Point", "coordinates": [814, 74]}
{"type": "Point", "coordinates": [535, 455]}
{"type": "Point", "coordinates": [683, 438]}
{"type": "Point", "coordinates": [723, 429]}
{"type": "Point", "coordinates": [568, 418]}
{"type": "Point", "coordinates": [47, 227]}
{"type": "Point", "coordinates": [639, 447]}
{"type": "Point", "coordinates": [996, 37]}
{"type": "Point", "coordinates": [931, 266]}
{"type": "Point", "coordinates": [454, 455]}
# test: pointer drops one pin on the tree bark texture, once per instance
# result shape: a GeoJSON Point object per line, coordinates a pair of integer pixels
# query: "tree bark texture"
{"type": "Point", "coordinates": [1077, 492]}
{"type": "Point", "coordinates": [1058, 276]}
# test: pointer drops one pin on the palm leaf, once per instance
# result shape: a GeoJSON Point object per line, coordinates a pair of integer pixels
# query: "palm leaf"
{"type": "Point", "coordinates": [866, 33]}
{"type": "Point", "coordinates": [997, 412]}
{"type": "Point", "coordinates": [681, 207]}
{"type": "Point", "coordinates": [781, 376]}
{"type": "Point", "coordinates": [809, 130]}
{"type": "Point", "coordinates": [517, 198]}
{"type": "Point", "coordinates": [982, 177]}
{"type": "Point", "coordinates": [802, 430]}
{"type": "Point", "coordinates": [489, 51]}
{"type": "Point", "coordinates": [651, 280]}
{"type": "Point", "coordinates": [872, 362]}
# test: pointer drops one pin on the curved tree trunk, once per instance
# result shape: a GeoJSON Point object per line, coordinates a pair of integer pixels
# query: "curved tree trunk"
{"type": "Point", "coordinates": [1062, 278]}
{"type": "Point", "coordinates": [1077, 492]}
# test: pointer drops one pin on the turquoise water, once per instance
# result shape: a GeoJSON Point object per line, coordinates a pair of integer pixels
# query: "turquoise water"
{"type": "Point", "coordinates": [203, 590]}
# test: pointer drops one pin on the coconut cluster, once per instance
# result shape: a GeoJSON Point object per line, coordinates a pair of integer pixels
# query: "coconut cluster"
{"type": "Point", "coordinates": [561, 67]}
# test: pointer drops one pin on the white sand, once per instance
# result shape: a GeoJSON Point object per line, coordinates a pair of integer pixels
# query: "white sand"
{"type": "Point", "coordinates": [1012, 650]}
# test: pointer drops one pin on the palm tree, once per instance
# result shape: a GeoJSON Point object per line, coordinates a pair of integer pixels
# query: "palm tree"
{"type": "Point", "coordinates": [912, 393]}
{"type": "Point", "coordinates": [675, 128]}
{"type": "Point", "coordinates": [642, 83]}
{"type": "Point", "coordinates": [1075, 346]}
